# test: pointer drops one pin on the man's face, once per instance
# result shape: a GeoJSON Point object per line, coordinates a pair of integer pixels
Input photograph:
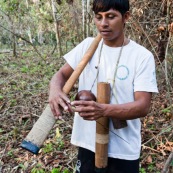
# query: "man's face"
{"type": "Point", "coordinates": [110, 24]}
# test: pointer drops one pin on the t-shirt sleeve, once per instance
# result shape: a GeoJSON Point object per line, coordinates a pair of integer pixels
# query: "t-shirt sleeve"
{"type": "Point", "coordinates": [145, 78]}
{"type": "Point", "coordinates": [75, 55]}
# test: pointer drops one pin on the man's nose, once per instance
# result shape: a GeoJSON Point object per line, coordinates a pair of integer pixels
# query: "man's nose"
{"type": "Point", "coordinates": [104, 22]}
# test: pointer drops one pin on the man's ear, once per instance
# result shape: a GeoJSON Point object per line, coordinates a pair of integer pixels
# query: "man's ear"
{"type": "Point", "coordinates": [126, 16]}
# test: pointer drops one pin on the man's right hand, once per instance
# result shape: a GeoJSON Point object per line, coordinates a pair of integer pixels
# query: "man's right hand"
{"type": "Point", "coordinates": [58, 100]}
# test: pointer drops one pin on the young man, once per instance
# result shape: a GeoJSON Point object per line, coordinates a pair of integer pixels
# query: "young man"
{"type": "Point", "coordinates": [118, 59]}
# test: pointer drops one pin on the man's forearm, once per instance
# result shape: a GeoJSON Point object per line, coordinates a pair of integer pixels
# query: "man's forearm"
{"type": "Point", "coordinates": [57, 81]}
{"type": "Point", "coordinates": [126, 111]}
{"type": "Point", "coordinates": [136, 109]}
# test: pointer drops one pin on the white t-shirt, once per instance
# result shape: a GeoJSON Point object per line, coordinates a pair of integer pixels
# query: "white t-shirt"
{"type": "Point", "coordinates": [136, 72]}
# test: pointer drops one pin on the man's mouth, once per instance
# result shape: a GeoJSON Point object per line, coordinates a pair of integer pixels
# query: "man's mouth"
{"type": "Point", "coordinates": [105, 32]}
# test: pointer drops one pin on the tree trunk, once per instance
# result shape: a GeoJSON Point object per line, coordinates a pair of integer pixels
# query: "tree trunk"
{"type": "Point", "coordinates": [14, 46]}
{"type": "Point", "coordinates": [13, 40]}
{"type": "Point", "coordinates": [88, 18]}
{"type": "Point", "coordinates": [76, 22]}
{"type": "Point", "coordinates": [84, 18]}
{"type": "Point", "coordinates": [56, 22]}
{"type": "Point", "coordinates": [40, 37]}
{"type": "Point", "coordinates": [30, 35]}
{"type": "Point", "coordinates": [29, 29]}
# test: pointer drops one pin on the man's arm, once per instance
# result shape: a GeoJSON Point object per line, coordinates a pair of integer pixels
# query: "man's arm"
{"type": "Point", "coordinates": [138, 108]}
{"type": "Point", "coordinates": [91, 110]}
{"type": "Point", "coordinates": [58, 99]}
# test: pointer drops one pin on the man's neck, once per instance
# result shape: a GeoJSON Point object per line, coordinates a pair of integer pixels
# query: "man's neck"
{"type": "Point", "coordinates": [117, 43]}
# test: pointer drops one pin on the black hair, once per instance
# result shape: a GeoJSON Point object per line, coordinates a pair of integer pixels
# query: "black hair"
{"type": "Point", "coordinates": [104, 5]}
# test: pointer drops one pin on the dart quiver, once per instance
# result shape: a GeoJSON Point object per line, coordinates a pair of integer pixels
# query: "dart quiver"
{"type": "Point", "coordinates": [102, 130]}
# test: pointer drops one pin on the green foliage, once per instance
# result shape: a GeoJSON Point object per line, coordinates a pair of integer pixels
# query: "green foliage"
{"type": "Point", "coordinates": [171, 163]}
{"type": "Point", "coordinates": [48, 148]}
{"type": "Point", "coordinates": [1, 130]}
{"type": "Point", "coordinates": [24, 69]}
{"type": "Point", "coordinates": [24, 54]}
{"type": "Point", "coordinates": [58, 170]}
{"type": "Point", "coordinates": [72, 97]}
{"type": "Point", "coordinates": [11, 6]}
{"type": "Point", "coordinates": [60, 144]}
{"type": "Point", "coordinates": [167, 110]}
{"type": "Point", "coordinates": [55, 170]}
{"type": "Point", "coordinates": [66, 171]}
{"type": "Point", "coordinates": [142, 170]}
{"type": "Point", "coordinates": [22, 166]}
{"type": "Point", "coordinates": [10, 153]}
{"type": "Point", "coordinates": [151, 167]}
{"type": "Point", "coordinates": [168, 129]}
{"type": "Point", "coordinates": [37, 17]}
{"type": "Point", "coordinates": [38, 169]}
{"type": "Point", "coordinates": [13, 102]}
{"type": "Point", "coordinates": [35, 69]}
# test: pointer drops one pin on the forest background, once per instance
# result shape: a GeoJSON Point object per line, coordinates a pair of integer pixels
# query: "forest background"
{"type": "Point", "coordinates": [34, 34]}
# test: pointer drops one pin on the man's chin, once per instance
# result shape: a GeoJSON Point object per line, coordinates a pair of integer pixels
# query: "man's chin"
{"type": "Point", "coordinates": [106, 35]}
{"type": "Point", "coordinates": [107, 38]}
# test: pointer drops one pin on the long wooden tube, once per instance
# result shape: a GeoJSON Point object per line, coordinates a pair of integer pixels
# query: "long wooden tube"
{"type": "Point", "coordinates": [102, 130]}
{"type": "Point", "coordinates": [45, 123]}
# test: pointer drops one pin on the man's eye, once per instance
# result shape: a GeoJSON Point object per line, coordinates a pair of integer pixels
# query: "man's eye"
{"type": "Point", "coordinates": [111, 16]}
{"type": "Point", "coordinates": [98, 17]}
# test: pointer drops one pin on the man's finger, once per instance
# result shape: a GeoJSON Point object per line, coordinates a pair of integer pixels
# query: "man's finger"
{"type": "Point", "coordinates": [63, 104]}
{"type": "Point", "coordinates": [57, 110]}
{"type": "Point", "coordinates": [65, 98]}
{"type": "Point", "coordinates": [53, 110]}
{"type": "Point", "coordinates": [81, 102]}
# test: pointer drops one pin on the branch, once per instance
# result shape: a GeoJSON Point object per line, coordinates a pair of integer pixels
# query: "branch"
{"type": "Point", "coordinates": [19, 36]}
{"type": "Point", "coordinates": [154, 137]}
{"type": "Point", "coordinates": [52, 52]}
{"type": "Point", "coordinates": [167, 164]}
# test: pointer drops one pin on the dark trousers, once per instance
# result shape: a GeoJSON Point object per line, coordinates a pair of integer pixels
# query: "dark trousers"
{"type": "Point", "coordinates": [86, 164]}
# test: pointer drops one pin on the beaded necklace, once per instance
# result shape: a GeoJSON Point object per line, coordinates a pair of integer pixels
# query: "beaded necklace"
{"type": "Point", "coordinates": [116, 67]}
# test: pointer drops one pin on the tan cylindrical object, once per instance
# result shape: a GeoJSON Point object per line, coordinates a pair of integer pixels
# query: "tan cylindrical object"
{"type": "Point", "coordinates": [102, 128]}
{"type": "Point", "coordinates": [45, 123]}
{"type": "Point", "coordinates": [42, 127]}
{"type": "Point", "coordinates": [88, 55]}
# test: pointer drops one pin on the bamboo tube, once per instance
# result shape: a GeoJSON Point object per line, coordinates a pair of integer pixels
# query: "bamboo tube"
{"type": "Point", "coordinates": [102, 129]}
{"type": "Point", "coordinates": [45, 123]}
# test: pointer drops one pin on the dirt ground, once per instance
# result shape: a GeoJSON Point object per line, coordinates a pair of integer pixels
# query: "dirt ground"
{"type": "Point", "coordinates": [23, 97]}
